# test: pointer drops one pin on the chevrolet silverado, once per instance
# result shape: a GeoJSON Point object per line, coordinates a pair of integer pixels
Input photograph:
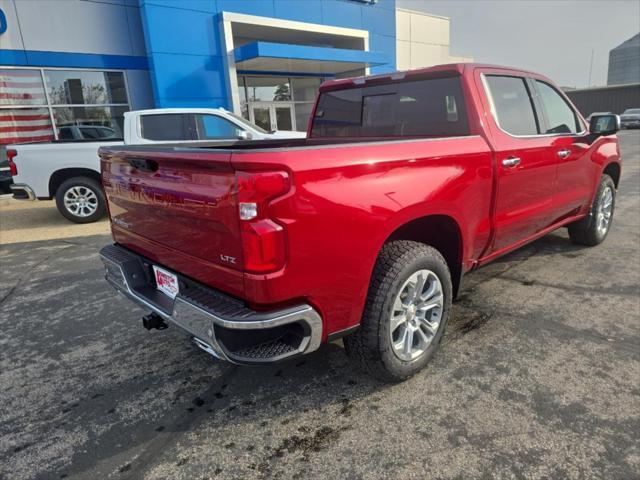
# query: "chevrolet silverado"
{"type": "Point", "coordinates": [262, 251]}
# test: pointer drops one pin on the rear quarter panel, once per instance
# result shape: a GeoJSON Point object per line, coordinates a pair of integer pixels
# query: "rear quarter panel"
{"type": "Point", "coordinates": [36, 163]}
{"type": "Point", "coordinates": [347, 200]}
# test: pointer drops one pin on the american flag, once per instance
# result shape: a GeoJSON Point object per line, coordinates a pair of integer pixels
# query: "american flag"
{"type": "Point", "coordinates": [23, 87]}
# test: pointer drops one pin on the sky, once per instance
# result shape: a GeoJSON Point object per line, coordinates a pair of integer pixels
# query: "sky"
{"type": "Point", "coordinates": [552, 37]}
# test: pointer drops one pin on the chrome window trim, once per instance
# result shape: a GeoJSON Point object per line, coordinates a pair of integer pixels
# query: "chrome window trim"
{"type": "Point", "coordinates": [492, 108]}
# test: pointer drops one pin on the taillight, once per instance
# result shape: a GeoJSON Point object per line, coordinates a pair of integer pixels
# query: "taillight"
{"type": "Point", "coordinates": [263, 240]}
{"type": "Point", "coordinates": [13, 168]}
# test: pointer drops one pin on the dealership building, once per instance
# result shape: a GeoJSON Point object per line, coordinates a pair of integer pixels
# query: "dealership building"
{"type": "Point", "coordinates": [86, 62]}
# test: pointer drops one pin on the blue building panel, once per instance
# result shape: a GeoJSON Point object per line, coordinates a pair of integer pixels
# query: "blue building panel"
{"type": "Point", "coordinates": [209, 6]}
{"type": "Point", "coordinates": [188, 76]}
{"type": "Point", "coordinates": [379, 22]}
{"type": "Point", "coordinates": [307, 11]}
{"type": "Point", "coordinates": [41, 58]}
{"type": "Point", "coordinates": [304, 52]}
{"type": "Point", "coordinates": [177, 30]}
{"type": "Point", "coordinates": [263, 8]}
{"type": "Point", "coordinates": [210, 102]}
{"type": "Point", "coordinates": [385, 45]}
{"type": "Point", "coordinates": [13, 57]}
{"type": "Point", "coordinates": [342, 13]}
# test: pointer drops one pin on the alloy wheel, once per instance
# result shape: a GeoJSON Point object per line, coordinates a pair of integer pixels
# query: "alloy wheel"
{"type": "Point", "coordinates": [81, 201]}
{"type": "Point", "coordinates": [605, 211]}
{"type": "Point", "coordinates": [416, 314]}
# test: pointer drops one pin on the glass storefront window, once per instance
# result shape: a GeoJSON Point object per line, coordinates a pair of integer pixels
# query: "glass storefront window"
{"type": "Point", "coordinates": [110, 119]}
{"type": "Point", "coordinates": [303, 112]}
{"type": "Point", "coordinates": [75, 87]}
{"type": "Point", "coordinates": [305, 89]}
{"type": "Point", "coordinates": [299, 91]}
{"type": "Point", "coordinates": [82, 104]}
{"type": "Point", "coordinates": [25, 125]}
{"type": "Point", "coordinates": [21, 87]}
{"type": "Point", "coordinates": [268, 89]}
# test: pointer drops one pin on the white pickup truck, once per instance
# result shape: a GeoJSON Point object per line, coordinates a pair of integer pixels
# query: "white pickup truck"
{"type": "Point", "coordinates": [69, 169]}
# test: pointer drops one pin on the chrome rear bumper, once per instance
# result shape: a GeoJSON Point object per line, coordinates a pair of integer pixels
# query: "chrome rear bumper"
{"type": "Point", "coordinates": [220, 325]}
{"type": "Point", "coordinates": [22, 191]}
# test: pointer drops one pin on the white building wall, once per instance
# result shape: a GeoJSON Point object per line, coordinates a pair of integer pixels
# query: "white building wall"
{"type": "Point", "coordinates": [422, 40]}
{"type": "Point", "coordinates": [70, 26]}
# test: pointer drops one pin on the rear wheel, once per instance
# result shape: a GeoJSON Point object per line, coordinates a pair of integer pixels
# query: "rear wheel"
{"type": "Point", "coordinates": [406, 311]}
{"type": "Point", "coordinates": [593, 230]}
{"type": "Point", "coordinates": [81, 200]}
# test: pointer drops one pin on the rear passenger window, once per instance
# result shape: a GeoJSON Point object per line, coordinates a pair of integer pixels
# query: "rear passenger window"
{"type": "Point", "coordinates": [165, 127]}
{"type": "Point", "coordinates": [431, 107]}
{"type": "Point", "coordinates": [513, 106]}
{"type": "Point", "coordinates": [560, 116]}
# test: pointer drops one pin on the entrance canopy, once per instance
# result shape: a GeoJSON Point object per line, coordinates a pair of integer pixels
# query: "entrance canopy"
{"type": "Point", "coordinates": [287, 58]}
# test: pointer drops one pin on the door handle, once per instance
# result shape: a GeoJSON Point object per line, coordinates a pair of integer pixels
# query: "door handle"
{"type": "Point", "coordinates": [511, 162]}
{"type": "Point", "coordinates": [564, 153]}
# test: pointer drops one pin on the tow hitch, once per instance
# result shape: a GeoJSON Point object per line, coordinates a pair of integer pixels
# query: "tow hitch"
{"type": "Point", "coordinates": [153, 320]}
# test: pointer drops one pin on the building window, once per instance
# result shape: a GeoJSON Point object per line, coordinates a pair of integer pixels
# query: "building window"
{"type": "Point", "coordinates": [87, 98]}
{"type": "Point", "coordinates": [47, 104]}
{"type": "Point", "coordinates": [268, 89]}
{"type": "Point", "coordinates": [21, 117]}
{"type": "Point", "coordinates": [298, 92]}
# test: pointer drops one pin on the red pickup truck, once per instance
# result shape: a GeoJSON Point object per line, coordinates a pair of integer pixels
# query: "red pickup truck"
{"type": "Point", "coordinates": [264, 250]}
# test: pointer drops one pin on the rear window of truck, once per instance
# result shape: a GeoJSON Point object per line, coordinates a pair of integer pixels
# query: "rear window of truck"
{"type": "Point", "coordinates": [428, 107]}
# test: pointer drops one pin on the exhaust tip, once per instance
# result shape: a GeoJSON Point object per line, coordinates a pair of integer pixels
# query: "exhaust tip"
{"type": "Point", "coordinates": [153, 321]}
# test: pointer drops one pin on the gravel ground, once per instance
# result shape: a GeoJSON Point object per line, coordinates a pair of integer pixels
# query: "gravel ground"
{"type": "Point", "coordinates": [538, 377]}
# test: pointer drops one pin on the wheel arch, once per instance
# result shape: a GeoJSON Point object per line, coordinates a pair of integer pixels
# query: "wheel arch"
{"type": "Point", "coordinates": [613, 170]}
{"type": "Point", "coordinates": [439, 231]}
{"type": "Point", "coordinates": [63, 174]}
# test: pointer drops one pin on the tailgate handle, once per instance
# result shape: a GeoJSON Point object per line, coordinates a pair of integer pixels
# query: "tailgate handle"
{"type": "Point", "coordinates": [143, 164]}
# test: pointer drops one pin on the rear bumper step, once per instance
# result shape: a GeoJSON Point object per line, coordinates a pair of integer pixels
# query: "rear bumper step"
{"type": "Point", "coordinates": [22, 191]}
{"type": "Point", "coordinates": [221, 325]}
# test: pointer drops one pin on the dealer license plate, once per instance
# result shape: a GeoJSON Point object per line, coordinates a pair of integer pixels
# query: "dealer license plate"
{"type": "Point", "coordinates": [166, 282]}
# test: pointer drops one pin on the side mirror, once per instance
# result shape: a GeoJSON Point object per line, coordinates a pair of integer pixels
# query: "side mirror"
{"type": "Point", "coordinates": [604, 124]}
{"type": "Point", "coordinates": [243, 135]}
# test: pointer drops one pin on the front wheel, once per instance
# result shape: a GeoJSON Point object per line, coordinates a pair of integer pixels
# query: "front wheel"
{"type": "Point", "coordinates": [594, 230]}
{"type": "Point", "coordinates": [81, 200]}
{"type": "Point", "coordinates": [406, 311]}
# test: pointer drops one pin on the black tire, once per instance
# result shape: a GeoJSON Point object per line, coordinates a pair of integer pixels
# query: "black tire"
{"type": "Point", "coordinates": [91, 191]}
{"type": "Point", "coordinates": [587, 231]}
{"type": "Point", "coordinates": [371, 344]}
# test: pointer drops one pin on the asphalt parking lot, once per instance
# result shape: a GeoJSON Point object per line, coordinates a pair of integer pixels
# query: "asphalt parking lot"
{"type": "Point", "coordinates": [539, 377]}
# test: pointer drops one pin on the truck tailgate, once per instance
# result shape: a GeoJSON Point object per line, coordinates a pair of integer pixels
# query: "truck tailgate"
{"type": "Point", "coordinates": [177, 209]}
